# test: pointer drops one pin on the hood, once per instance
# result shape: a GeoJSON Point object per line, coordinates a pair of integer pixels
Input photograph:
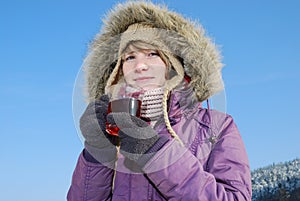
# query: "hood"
{"type": "Point", "coordinates": [199, 56]}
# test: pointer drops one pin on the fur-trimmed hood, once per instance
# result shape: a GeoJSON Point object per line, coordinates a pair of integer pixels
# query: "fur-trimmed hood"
{"type": "Point", "coordinates": [200, 57]}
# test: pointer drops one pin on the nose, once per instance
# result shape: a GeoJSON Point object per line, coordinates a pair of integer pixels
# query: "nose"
{"type": "Point", "coordinates": [141, 65]}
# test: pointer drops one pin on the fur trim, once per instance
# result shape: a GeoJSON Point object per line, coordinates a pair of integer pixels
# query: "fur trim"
{"type": "Point", "coordinates": [183, 37]}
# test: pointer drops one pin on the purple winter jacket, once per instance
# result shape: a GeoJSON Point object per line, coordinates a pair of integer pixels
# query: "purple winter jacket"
{"type": "Point", "coordinates": [213, 165]}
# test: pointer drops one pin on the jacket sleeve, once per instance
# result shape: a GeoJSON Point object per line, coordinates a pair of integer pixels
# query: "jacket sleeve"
{"type": "Point", "coordinates": [90, 181]}
{"type": "Point", "coordinates": [226, 176]}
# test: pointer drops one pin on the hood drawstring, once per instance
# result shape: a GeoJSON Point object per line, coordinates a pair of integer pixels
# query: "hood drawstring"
{"type": "Point", "coordinates": [208, 105]}
{"type": "Point", "coordinates": [166, 118]}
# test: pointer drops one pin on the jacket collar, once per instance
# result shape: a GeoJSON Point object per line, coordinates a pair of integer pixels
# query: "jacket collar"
{"type": "Point", "coordinates": [182, 99]}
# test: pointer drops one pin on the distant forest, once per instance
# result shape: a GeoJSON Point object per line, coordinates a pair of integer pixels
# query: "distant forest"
{"type": "Point", "coordinates": [277, 182]}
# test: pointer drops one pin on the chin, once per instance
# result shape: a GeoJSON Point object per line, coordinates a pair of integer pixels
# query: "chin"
{"type": "Point", "coordinates": [149, 87]}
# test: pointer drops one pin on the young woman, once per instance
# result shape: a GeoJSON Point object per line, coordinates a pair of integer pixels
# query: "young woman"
{"type": "Point", "coordinates": [176, 149]}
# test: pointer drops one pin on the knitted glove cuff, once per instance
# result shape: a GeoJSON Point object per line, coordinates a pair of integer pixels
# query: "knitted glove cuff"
{"type": "Point", "coordinates": [88, 157]}
{"type": "Point", "coordinates": [102, 155]}
{"type": "Point", "coordinates": [151, 152]}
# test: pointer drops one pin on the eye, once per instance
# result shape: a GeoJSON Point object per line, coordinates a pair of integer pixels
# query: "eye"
{"type": "Point", "coordinates": [153, 54]}
{"type": "Point", "coordinates": [129, 57]}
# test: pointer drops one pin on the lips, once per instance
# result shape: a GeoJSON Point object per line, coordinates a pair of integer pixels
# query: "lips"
{"type": "Point", "coordinates": [143, 78]}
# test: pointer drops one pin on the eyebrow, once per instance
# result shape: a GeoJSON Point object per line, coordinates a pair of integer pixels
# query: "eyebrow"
{"type": "Point", "coordinates": [127, 53]}
{"type": "Point", "coordinates": [131, 52]}
{"type": "Point", "coordinates": [138, 50]}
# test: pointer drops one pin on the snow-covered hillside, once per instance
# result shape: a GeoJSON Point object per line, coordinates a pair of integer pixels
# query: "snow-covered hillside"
{"type": "Point", "coordinates": [275, 179]}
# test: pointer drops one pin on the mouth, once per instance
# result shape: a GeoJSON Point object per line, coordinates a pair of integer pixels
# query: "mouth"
{"type": "Point", "coordinates": [143, 78]}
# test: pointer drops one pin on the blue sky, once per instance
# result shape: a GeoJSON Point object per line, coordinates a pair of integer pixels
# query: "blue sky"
{"type": "Point", "coordinates": [42, 46]}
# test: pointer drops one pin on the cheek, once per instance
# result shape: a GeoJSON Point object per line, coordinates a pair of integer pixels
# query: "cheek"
{"type": "Point", "coordinates": [160, 66]}
{"type": "Point", "coordinates": [126, 72]}
{"type": "Point", "coordinates": [162, 72]}
{"type": "Point", "coordinates": [124, 69]}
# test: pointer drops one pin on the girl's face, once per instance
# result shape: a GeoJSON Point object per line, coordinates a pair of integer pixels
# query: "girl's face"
{"type": "Point", "coordinates": [144, 68]}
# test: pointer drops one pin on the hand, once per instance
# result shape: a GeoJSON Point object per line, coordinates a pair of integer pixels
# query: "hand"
{"type": "Point", "coordinates": [98, 142]}
{"type": "Point", "coordinates": [137, 138]}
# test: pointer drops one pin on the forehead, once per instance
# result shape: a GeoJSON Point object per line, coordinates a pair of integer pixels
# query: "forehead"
{"type": "Point", "coordinates": [138, 46]}
{"type": "Point", "coordinates": [134, 51]}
